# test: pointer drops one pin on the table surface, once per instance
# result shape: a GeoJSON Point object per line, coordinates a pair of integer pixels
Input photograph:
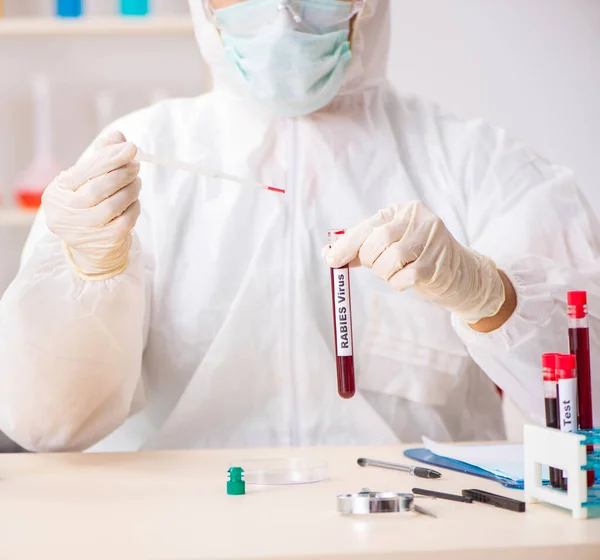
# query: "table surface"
{"type": "Point", "coordinates": [173, 505]}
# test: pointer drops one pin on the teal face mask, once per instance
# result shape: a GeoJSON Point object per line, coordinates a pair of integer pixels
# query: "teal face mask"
{"type": "Point", "coordinates": [287, 68]}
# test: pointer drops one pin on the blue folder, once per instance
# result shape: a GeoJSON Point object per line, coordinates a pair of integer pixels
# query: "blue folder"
{"type": "Point", "coordinates": [425, 456]}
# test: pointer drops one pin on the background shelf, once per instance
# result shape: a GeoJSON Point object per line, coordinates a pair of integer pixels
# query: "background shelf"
{"type": "Point", "coordinates": [15, 217]}
{"type": "Point", "coordinates": [56, 27]}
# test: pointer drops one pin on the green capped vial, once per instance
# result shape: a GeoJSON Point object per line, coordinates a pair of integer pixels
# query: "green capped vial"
{"type": "Point", "coordinates": [236, 486]}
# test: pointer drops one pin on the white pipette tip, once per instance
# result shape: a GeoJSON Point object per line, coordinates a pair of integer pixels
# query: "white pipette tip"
{"type": "Point", "coordinates": [200, 170]}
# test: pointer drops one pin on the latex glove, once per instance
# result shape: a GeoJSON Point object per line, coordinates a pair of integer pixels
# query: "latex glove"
{"type": "Point", "coordinates": [94, 206]}
{"type": "Point", "coordinates": [408, 246]}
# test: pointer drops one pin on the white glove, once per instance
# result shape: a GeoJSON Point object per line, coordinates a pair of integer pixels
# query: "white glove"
{"type": "Point", "coordinates": [408, 246]}
{"type": "Point", "coordinates": [94, 206]}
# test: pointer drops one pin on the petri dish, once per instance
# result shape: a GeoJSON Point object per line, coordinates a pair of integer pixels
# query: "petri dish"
{"type": "Point", "coordinates": [279, 472]}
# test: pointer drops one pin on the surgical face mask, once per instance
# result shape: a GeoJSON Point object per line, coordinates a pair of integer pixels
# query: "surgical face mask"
{"type": "Point", "coordinates": [292, 56]}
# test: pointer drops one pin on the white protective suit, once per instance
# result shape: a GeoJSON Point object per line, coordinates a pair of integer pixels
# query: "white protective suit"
{"type": "Point", "coordinates": [219, 332]}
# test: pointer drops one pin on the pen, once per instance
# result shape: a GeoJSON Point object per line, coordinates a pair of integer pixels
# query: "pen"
{"type": "Point", "coordinates": [442, 495]}
{"type": "Point", "coordinates": [421, 472]}
{"type": "Point", "coordinates": [494, 500]}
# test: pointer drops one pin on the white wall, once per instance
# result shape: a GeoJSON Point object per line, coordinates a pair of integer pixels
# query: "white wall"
{"type": "Point", "coordinates": [530, 66]}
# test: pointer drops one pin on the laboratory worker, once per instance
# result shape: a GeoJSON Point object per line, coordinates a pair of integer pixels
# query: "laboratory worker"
{"type": "Point", "coordinates": [160, 309]}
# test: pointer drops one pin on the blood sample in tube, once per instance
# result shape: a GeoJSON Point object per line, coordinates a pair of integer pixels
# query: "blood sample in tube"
{"type": "Point", "coordinates": [579, 346]}
{"type": "Point", "coordinates": [342, 326]}
{"type": "Point", "coordinates": [551, 406]}
{"type": "Point", "coordinates": [567, 397]}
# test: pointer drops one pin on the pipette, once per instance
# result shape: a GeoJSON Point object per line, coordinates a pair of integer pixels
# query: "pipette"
{"type": "Point", "coordinates": [201, 170]}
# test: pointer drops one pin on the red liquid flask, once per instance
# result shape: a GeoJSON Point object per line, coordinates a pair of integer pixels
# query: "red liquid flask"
{"type": "Point", "coordinates": [28, 198]}
{"type": "Point", "coordinates": [342, 326]}
{"type": "Point", "coordinates": [43, 169]}
{"type": "Point", "coordinates": [551, 406]}
{"type": "Point", "coordinates": [579, 346]}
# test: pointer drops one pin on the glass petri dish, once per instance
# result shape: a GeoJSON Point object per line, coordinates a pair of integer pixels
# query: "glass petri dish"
{"type": "Point", "coordinates": [278, 472]}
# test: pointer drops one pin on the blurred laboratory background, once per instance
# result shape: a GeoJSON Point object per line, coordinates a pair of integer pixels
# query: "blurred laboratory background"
{"type": "Point", "coordinates": [70, 67]}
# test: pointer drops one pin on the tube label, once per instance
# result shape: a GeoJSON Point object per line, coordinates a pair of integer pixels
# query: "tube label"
{"type": "Point", "coordinates": [567, 404]}
{"type": "Point", "coordinates": [343, 313]}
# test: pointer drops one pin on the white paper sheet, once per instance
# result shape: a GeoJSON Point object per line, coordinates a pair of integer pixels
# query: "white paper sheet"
{"type": "Point", "coordinates": [504, 460]}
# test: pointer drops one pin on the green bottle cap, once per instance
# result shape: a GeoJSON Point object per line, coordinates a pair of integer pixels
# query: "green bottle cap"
{"type": "Point", "coordinates": [236, 486]}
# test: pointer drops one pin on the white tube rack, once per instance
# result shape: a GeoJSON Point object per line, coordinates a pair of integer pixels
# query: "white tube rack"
{"type": "Point", "coordinates": [567, 452]}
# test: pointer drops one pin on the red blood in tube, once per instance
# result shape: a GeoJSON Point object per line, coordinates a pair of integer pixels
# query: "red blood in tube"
{"type": "Point", "coordinates": [342, 326]}
{"type": "Point", "coordinates": [551, 406]}
{"type": "Point", "coordinates": [579, 346]}
{"type": "Point", "coordinates": [566, 398]}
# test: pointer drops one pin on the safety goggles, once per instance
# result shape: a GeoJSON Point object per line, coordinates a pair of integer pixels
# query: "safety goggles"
{"type": "Point", "coordinates": [313, 15]}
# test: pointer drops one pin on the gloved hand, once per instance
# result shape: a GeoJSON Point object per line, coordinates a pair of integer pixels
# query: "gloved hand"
{"type": "Point", "coordinates": [94, 206]}
{"type": "Point", "coordinates": [408, 246]}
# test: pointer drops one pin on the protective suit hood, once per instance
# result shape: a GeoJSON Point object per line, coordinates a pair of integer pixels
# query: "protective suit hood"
{"type": "Point", "coordinates": [370, 46]}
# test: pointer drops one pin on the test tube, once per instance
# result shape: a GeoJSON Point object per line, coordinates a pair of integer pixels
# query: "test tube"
{"type": "Point", "coordinates": [567, 397]}
{"type": "Point", "coordinates": [579, 346]}
{"type": "Point", "coordinates": [342, 320]}
{"type": "Point", "coordinates": [551, 406]}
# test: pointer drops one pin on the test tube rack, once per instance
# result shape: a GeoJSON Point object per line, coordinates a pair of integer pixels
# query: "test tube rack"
{"type": "Point", "coordinates": [565, 451]}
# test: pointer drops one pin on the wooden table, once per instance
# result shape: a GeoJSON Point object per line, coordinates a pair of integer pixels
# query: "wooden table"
{"type": "Point", "coordinates": [173, 505]}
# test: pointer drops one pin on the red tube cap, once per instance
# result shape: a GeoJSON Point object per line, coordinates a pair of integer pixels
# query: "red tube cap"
{"type": "Point", "coordinates": [565, 366]}
{"type": "Point", "coordinates": [549, 366]}
{"type": "Point", "coordinates": [577, 302]}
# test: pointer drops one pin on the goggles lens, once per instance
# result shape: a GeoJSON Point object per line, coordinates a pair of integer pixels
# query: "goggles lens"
{"type": "Point", "coordinates": [249, 16]}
